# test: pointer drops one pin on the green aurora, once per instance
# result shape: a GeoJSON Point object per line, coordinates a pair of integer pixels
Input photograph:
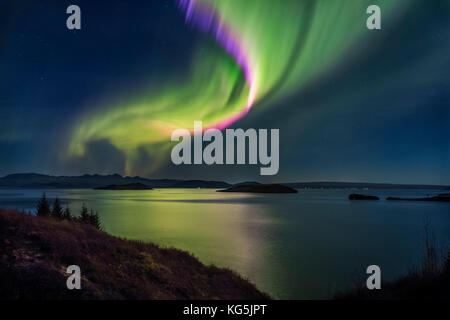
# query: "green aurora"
{"type": "Point", "coordinates": [278, 47]}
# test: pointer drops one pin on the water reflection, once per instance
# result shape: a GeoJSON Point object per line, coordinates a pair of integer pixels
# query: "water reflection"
{"type": "Point", "coordinates": [293, 246]}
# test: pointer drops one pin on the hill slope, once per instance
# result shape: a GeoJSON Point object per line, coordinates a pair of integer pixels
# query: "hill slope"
{"type": "Point", "coordinates": [35, 252]}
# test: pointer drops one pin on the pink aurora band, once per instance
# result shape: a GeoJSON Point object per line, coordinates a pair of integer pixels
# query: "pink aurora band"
{"type": "Point", "coordinates": [206, 19]}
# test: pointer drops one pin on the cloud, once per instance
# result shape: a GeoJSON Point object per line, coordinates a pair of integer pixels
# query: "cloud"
{"type": "Point", "coordinates": [100, 156]}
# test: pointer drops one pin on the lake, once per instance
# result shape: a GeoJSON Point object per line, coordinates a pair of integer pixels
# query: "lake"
{"type": "Point", "coordinates": [293, 246]}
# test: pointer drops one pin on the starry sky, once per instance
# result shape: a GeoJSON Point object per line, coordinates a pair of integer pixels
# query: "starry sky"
{"type": "Point", "coordinates": [351, 104]}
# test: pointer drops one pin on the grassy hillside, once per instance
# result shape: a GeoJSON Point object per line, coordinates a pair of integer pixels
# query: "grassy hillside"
{"type": "Point", "coordinates": [411, 287]}
{"type": "Point", "coordinates": [431, 280]}
{"type": "Point", "coordinates": [35, 252]}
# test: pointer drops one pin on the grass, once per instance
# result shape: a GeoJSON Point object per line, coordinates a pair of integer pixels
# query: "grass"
{"type": "Point", "coordinates": [35, 252]}
{"type": "Point", "coordinates": [429, 281]}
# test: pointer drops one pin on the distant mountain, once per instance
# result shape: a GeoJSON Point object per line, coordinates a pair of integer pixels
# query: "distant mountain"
{"type": "Point", "coordinates": [201, 184]}
{"type": "Point", "coordinates": [261, 188]}
{"type": "Point", "coordinates": [128, 186]}
{"type": "Point", "coordinates": [360, 185]}
{"type": "Point", "coordinates": [87, 181]}
{"type": "Point", "coordinates": [41, 181]}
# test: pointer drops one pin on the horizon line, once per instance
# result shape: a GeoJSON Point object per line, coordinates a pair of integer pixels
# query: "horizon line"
{"type": "Point", "coordinates": [215, 180]}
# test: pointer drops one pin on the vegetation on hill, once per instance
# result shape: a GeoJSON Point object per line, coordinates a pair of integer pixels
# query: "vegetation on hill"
{"type": "Point", "coordinates": [35, 252]}
{"type": "Point", "coordinates": [43, 210]}
{"type": "Point", "coordinates": [431, 280]}
{"type": "Point", "coordinates": [416, 285]}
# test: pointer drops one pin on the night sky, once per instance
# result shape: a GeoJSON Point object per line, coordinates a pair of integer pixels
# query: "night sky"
{"type": "Point", "coordinates": [351, 104]}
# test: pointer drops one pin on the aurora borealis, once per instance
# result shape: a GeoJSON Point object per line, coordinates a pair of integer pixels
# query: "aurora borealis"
{"type": "Point", "coordinates": [291, 64]}
{"type": "Point", "coordinates": [217, 93]}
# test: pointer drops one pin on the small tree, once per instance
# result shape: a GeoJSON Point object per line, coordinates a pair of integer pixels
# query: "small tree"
{"type": "Point", "coordinates": [67, 215]}
{"type": "Point", "coordinates": [57, 211]}
{"type": "Point", "coordinates": [94, 220]}
{"type": "Point", "coordinates": [84, 216]}
{"type": "Point", "coordinates": [43, 208]}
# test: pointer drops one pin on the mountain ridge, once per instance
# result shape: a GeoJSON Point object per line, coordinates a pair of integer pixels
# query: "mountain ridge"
{"type": "Point", "coordinates": [89, 181]}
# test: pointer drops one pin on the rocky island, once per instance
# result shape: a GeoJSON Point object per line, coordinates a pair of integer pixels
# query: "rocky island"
{"type": "Point", "coordinates": [441, 198]}
{"type": "Point", "coordinates": [356, 196]}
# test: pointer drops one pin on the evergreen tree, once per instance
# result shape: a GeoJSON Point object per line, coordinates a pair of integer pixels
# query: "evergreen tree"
{"type": "Point", "coordinates": [43, 208]}
{"type": "Point", "coordinates": [57, 211]}
{"type": "Point", "coordinates": [94, 220]}
{"type": "Point", "coordinates": [84, 216]}
{"type": "Point", "coordinates": [67, 215]}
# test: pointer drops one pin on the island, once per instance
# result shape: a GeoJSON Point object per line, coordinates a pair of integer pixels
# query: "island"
{"type": "Point", "coordinates": [440, 198]}
{"type": "Point", "coordinates": [356, 196]}
{"type": "Point", "coordinates": [200, 184]}
{"type": "Point", "coordinates": [261, 188]}
{"type": "Point", "coordinates": [128, 186]}
{"type": "Point", "coordinates": [36, 252]}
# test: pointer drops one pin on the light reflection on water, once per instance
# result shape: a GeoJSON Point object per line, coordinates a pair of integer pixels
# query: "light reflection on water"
{"type": "Point", "coordinates": [295, 246]}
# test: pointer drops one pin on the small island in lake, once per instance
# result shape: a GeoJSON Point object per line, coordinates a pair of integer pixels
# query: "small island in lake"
{"type": "Point", "coordinates": [261, 188]}
{"type": "Point", "coordinates": [356, 196]}
{"type": "Point", "coordinates": [128, 186]}
{"type": "Point", "coordinates": [441, 197]}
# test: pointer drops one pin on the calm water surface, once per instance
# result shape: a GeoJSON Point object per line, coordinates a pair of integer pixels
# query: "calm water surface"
{"type": "Point", "coordinates": [301, 246]}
